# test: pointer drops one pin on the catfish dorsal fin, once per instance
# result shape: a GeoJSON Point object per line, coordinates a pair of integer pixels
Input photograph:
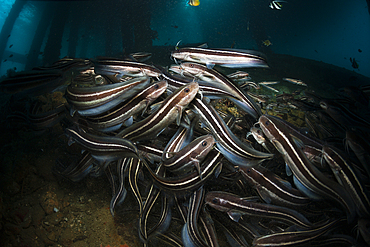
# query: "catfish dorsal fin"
{"type": "Point", "coordinates": [204, 45]}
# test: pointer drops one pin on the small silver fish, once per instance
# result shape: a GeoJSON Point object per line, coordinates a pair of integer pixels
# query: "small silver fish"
{"type": "Point", "coordinates": [268, 87]}
{"type": "Point", "coordinates": [295, 81]}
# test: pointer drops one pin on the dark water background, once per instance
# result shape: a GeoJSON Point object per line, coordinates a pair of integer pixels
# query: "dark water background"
{"type": "Point", "coordinates": [41, 32]}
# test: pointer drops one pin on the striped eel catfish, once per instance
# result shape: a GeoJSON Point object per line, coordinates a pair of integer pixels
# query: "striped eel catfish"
{"type": "Point", "coordinates": [150, 153]}
{"type": "Point", "coordinates": [258, 136]}
{"type": "Point", "coordinates": [134, 167]}
{"type": "Point", "coordinates": [102, 148]}
{"type": "Point", "coordinates": [230, 58]}
{"type": "Point", "coordinates": [110, 172]}
{"type": "Point", "coordinates": [233, 237]}
{"type": "Point", "coordinates": [335, 240]}
{"type": "Point", "coordinates": [269, 87]}
{"type": "Point", "coordinates": [273, 189]}
{"type": "Point", "coordinates": [207, 88]}
{"type": "Point", "coordinates": [179, 185]}
{"type": "Point", "coordinates": [304, 171]}
{"type": "Point", "coordinates": [67, 63]}
{"type": "Point", "coordinates": [76, 171]}
{"type": "Point", "coordinates": [170, 239]}
{"type": "Point", "coordinates": [348, 178]}
{"type": "Point", "coordinates": [239, 75]}
{"type": "Point", "coordinates": [37, 82]}
{"type": "Point", "coordinates": [139, 56]}
{"type": "Point", "coordinates": [112, 120]}
{"type": "Point", "coordinates": [235, 207]}
{"type": "Point", "coordinates": [364, 229]}
{"type": "Point", "coordinates": [344, 116]}
{"type": "Point", "coordinates": [361, 147]}
{"type": "Point", "coordinates": [120, 68]}
{"type": "Point", "coordinates": [165, 217]}
{"type": "Point", "coordinates": [170, 110]}
{"type": "Point", "coordinates": [41, 121]}
{"type": "Point", "coordinates": [288, 238]}
{"type": "Point", "coordinates": [180, 139]}
{"type": "Point", "coordinates": [148, 206]}
{"type": "Point", "coordinates": [190, 233]}
{"type": "Point", "coordinates": [86, 100]}
{"type": "Point", "coordinates": [295, 81]}
{"type": "Point", "coordinates": [209, 228]}
{"type": "Point", "coordinates": [236, 151]}
{"type": "Point", "coordinates": [297, 133]}
{"type": "Point", "coordinates": [120, 195]}
{"type": "Point", "coordinates": [190, 156]}
{"type": "Point", "coordinates": [212, 89]}
{"type": "Point", "coordinates": [244, 101]}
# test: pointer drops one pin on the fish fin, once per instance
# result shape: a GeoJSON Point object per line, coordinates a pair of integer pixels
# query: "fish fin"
{"type": "Point", "coordinates": [70, 141]}
{"type": "Point", "coordinates": [129, 121]}
{"type": "Point", "coordinates": [145, 108]}
{"type": "Point", "coordinates": [234, 216]}
{"type": "Point", "coordinates": [113, 128]}
{"type": "Point", "coordinates": [154, 107]}
{"type": "Point", "coordinates": [111, 207]}
{"type": "Point", "coordinates": [210, 65]}
{"type": "Point", "coordinates": [288, 171]}
{"type": "Point", "coordinates": [312, 195]}
{"type": "Point", "coordinates": [165, 154]}
{"type": "Point", "coordinates": [201, 94]}
{"type": "Point", "coordinates": [265, 146]}
{"type": "Point", "coordinates": [160, 132]}
{"type": "Point", "coordinates": [337, 176]}
{"type": "Point", "coordinates": [250, 198]}
{"type": "Point", "coordinates": [248, 134]}
{"type": "Point", "coordinates": [285, 183]}
{"type": "Point", "coordinates": [298, 141]}
{"type": "Point", "coordinates": [264, 195]}
{"type": "Point", "coordinates": [194, 58]}
{"type": "Point", "coordinates": [218, 170]}
{"type": "Point", "coordinates": [197, 166]}
{"type": "Point", "coordinates": [185, 236]}
{"type": "Point", "coordinates": [178, 119]}
{"type": "Point", "coordinates": [204, 45]}
{"type": "Point", "coordinates": [186, 120]}
{"type": "Point", "coordinates": [72, 111]}
{"type": "Point", "coordinates": [184, 124]}
{"type": "Point", "coordinates": [207, 100]}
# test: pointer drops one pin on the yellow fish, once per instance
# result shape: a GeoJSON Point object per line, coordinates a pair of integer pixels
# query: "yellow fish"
{"type": "Point", "coordinates": [267, 42]}
{"type": "Point", "coordinates": [194, 2]}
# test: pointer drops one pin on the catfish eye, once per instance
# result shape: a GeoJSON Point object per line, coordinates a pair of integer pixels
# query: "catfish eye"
{"type": "Point", "coordinates": [258, 132]}
{"type": "Point", "coordinates": [267, 123]}
{"type": "Point", "coordinates": [248, 170]}
{"type": "Point", "coordinates": [215, 200]}
{"type": "Point", "coordinates": [186, 90]}
{"type": "Point", "coordinates": [156, 86]}
{"type": "Point", "coordinates": [204, 143]}
{"type": "Point", "coordinates": [191, 65]}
